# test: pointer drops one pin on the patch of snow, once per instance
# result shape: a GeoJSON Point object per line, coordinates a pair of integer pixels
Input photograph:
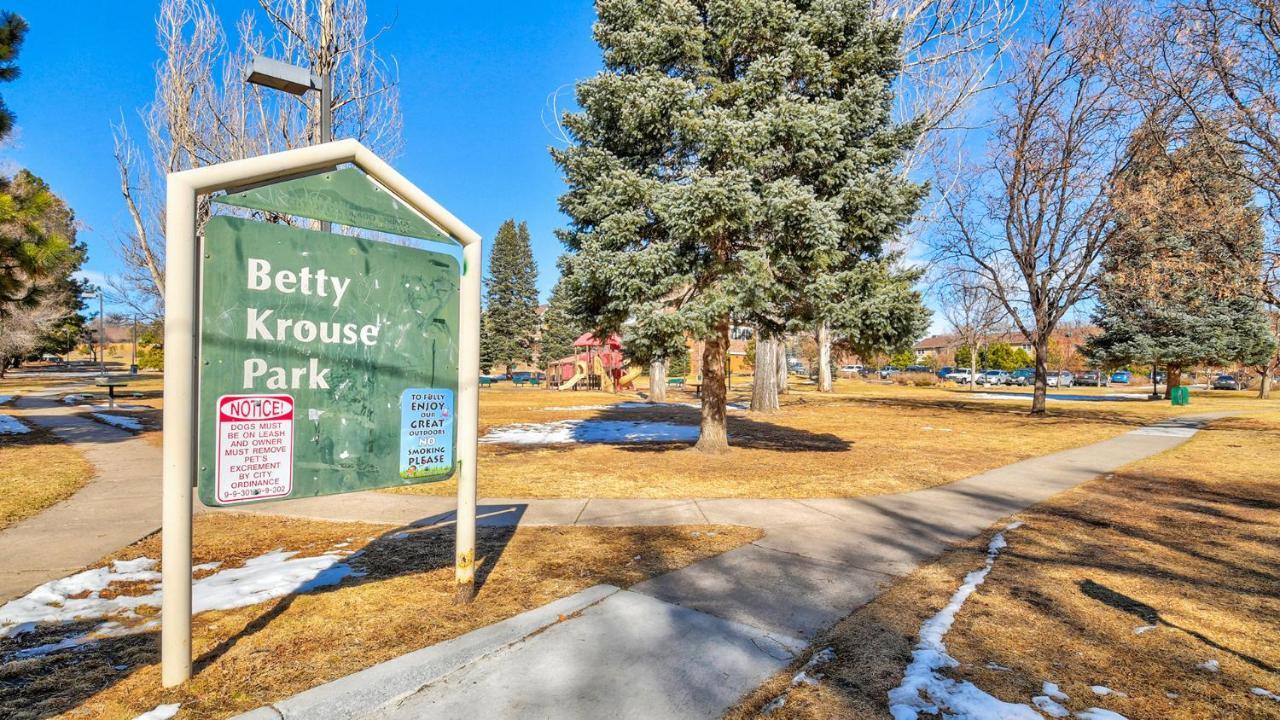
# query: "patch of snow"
{"type": "Point", "coordinates": [1050, 707]}
{"type": "Point", "coordinates": [206, 566]}
{"type": "Point", "coordinates": [806, 676]}
{"type": "Point", "coordinates": [1143, 629]}
{"type": "Point", "coordinates": [1052, 691]}
{"type": "Point", "coordinates": [10, 425]}
{"type": "Point", "coordinates": [1103, 691]}
{"type": "Point", "coordinates": [1208, 666]}
{"type": "Point", "coordinates": [272, 575]}
{"type": "Point", "coordinates": [591, 431]}
{"type": "Point", "coordinates": [160, 712]}
{"type": "Point", "coordinates": [1265, 693]}
{"type": "Point", "coordinates": [124, 423]}
{"type": "Point", "coordinates": [1094, 713]}
{"type": "Point", "coordinates": [925, 690]}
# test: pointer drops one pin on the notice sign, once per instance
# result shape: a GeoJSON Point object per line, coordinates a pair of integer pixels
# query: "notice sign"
{"type": "Point", "coordinates": [255, 447]}
{"type": "Point", "coordinates": [426, 432]}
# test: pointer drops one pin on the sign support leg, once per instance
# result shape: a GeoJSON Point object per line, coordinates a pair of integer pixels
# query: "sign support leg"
{"type": "Point", "coordinates": [179, 435]}
{"type": "Point", "coordinates": [468, 419]}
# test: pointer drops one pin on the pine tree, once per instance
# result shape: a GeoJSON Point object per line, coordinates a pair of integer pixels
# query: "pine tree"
{"type": "Point", "coordinates": [510, 323]}
{"type": "Point", "coordinates": [728, 151]}
{"type": "Point", "coordinates": [560, 326]}
{"type": "Point", "coordinates": [13, 29]}
{"type": "Point", "coordinates": [1182, 275]}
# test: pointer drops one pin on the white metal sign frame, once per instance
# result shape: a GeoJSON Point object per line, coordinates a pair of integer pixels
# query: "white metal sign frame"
{"type": "Point", "coordinates": [181, 335]}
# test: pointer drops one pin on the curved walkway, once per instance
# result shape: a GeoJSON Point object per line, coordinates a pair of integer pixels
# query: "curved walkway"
{"type": "Point", "coordinates": [117, 507]}
{"type": "Point", "coordinates": [690, 643]}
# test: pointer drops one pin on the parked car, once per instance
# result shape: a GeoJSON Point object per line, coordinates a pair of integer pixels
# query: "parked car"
{"type": "Point", "coordinates": [887, 371]}
{"type": "Point", "coordinates": [993, 377]}
{"type": "Point", "coordinates": [1061, 379]}
{"type": "Point", "coordinates": [959, 376]}
{"type": "Point", "coordinates": [944, 372]}
{"type": "Point", "coordinates": [850, 370]}
{"type": "Point", "coordinates": [1160, 377]}
{"type": "Point", "coordinates": [1121, 377]}
{"type": "Point", "coordinates": [917, 369]}
{"type": "Point", "coordinates": [1226, 382]}
{"type": "Point", "coordinates": [1095, 378]}
{"type": "Point", "coordinates": [1022, 376]}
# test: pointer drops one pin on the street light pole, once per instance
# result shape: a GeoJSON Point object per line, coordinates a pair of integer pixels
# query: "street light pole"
{"type": "Point", "coordinates": [297, 81]}
{"type": "Point", "coordinates": [102, 337]}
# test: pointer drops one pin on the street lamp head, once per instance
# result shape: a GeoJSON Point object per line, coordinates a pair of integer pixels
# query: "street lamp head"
{"type": "Point", "coordinates": [280, 76]}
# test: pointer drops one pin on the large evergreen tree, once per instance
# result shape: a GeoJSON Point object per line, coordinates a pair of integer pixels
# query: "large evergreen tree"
{"type": "Point", "coordinates": [1181, 277]}
{"type": "Point", "coordinates": [729, 152]}
{"type": "Point", "coordinates": [510, 322]}
{"type": "Point", "coordinates": [38, 253]}
{"type": "Point", "coordinates": [13, 29]}
{"type": "Point", "coordinates": [560, 325]}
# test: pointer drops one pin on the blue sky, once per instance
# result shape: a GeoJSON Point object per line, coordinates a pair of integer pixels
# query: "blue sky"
{"type": "Point", "coordinates": [474, 81]}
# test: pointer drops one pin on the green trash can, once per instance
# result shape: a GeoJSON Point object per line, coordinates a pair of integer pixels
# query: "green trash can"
{"type": "Point", "coordinates": [1180, 395]}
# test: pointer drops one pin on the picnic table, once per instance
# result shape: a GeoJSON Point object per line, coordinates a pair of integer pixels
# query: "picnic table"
{"type": "Point", "coordinates": [110, 384]}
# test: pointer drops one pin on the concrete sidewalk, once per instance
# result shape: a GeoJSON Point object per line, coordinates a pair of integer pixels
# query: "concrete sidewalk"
{"type": "Point", "coordinates": [690, 643]}
{"type": "Point", "coordinates": [119, 505]}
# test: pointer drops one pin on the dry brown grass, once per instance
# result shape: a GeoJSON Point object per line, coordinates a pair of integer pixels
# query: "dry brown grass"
{"type": "Point", "coordinates": [1185, 540]}
{"type": "Point", "coordinates": [36, 471]}
{"type": "Point", "coordinates": [252, 656]}
{"type": "Point", "coordinates": [867, 439]}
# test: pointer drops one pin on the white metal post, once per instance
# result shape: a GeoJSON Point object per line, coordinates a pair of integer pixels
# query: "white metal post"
{"type": "Point", "coordinates": [179, 432]}
{"type": "Point", "coordinates": [468, 420]}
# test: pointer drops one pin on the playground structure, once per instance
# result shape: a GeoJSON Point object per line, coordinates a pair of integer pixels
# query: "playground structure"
{"type": "Point", "coordinates": [599, 365]}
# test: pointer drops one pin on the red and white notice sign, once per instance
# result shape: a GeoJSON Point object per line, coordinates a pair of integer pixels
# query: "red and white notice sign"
{"type": "Point", "coordinates": [255, 447]}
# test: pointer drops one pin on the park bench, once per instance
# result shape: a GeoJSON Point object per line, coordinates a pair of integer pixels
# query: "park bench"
{"type": "Point", "coordinates": [535, 382]}
{"type": "Point", "coordinates": [520, 382]}
{"type": "Point", "coordinates": [485, 381]}
{"type": "Point", "coordinates": [676, 382]}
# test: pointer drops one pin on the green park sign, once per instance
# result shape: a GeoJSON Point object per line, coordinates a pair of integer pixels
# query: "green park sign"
{"type": "Point", "coordinates": [328, 363]}
{"type": "Point", "coordinates": [303, 362]}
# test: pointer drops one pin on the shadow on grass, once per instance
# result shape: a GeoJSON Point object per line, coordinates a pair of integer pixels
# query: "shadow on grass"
{"type": "Point", "coordinates": [744, 432]}
{"type": "Point", "coordinates": [36, 684]}
{"type": "Point", "coordinates": [1151, 616]}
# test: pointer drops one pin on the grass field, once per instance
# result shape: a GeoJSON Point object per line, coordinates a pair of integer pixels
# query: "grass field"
{"type": "Point", "coordinates": [253, 655]}
{"type": "Point", "coordinates": [1183, 543]}
{"type": "Point", "coordinates": [37, 470]}
{"type": "Point", "coordinates": [866, 439]}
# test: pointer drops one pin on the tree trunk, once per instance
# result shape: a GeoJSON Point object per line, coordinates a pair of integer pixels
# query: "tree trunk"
{"type": "Point", "coordinates": [1264, 388]}
{"type": "Point", "coordinates": [1042, 374]}
{"type": "Point", "coordinates": [764, 386]}
{"type": "Point", "coordinates": [973, 369]}
{"type": "Point", "coordinates": [713, 436]}
{"type": "Point", "coordinates": [824, 357]}
{"type": "Point", "coordinates": [780, 356]}
{"type": "Point", "coordinates": [1174, 380]}
{"type": "Point", "coordinates": [658, 380]}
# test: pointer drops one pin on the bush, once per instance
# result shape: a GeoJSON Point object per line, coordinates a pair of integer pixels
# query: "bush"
{"type": "Point", "coordinates": [916, 379]}
{"type": "Point", "coordinates": [151, 358]}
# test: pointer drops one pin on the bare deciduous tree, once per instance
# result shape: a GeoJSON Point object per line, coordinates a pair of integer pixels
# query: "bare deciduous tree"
{"type": "Point", "coordinates": [1033, 220]}
{"type": "Point", "coordinates": [951, 54]}
{"type": "Point", "coordinates": [973, 311]}
{"type": "Point", "coordinates": [204, 112]}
